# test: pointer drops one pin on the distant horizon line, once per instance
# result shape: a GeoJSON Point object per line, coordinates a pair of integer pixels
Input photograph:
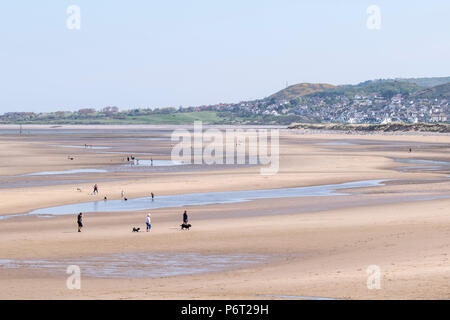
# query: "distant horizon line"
{"type": "Point", "coordinates": [228, 103]}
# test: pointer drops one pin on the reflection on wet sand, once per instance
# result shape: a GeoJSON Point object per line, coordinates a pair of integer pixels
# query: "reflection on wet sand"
{"type": "Point", "coordinates": [142, 265]}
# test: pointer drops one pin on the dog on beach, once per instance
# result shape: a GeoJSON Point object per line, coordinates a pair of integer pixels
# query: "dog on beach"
{"type": "Point", "coordinates": [185, 226]}
{"type": "Point", "coordinates": [136, 229]}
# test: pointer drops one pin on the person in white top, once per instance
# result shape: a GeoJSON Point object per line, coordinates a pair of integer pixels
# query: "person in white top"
{"type": "Point", "coordinates": [148, 222]}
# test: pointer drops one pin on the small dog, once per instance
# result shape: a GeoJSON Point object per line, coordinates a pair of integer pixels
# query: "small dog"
{"type": "Point", "coordinates": [136, 229]}
{"type": "Point", "coordinates": [185, 226]}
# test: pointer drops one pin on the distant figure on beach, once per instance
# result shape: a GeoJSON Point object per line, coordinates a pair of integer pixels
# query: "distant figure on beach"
{"type": "Point", "coordinates": [151, 161]}
{"type": "Point", "coordinates": [148, 222]}
{"type": "Point", "coordinates": [80, 221]}
{"type": "Point", "coordinates": [185, 217]}
{"type": "Point", "coordinates": [95, 189]}
{"type": "Point", "coordinates": [153, 196]}
{"type": "Point", "coordinates": [410, 150]}
{"type": "Point", "coordinates": [105, 198]}
{"type": "Point", "coordinates": [128, 159]}
{"type": "Point", "coordinates": [69, 157]}
{"type": "Point", "coordinates": [122, 194]}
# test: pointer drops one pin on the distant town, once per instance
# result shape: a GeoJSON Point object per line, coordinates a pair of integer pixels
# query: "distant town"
{"type": "Point", "coordinates": [423, 100]}
{"type": "Point", "coordinates": [371, 108]}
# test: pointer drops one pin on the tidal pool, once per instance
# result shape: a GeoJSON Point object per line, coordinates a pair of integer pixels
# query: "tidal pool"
{"type": "Point", "coordinates": [154, 163]}
{"type": "Point", "coordinates": [337, 143]}
{"type": "Point", "coordinates": [197, 199]}
{"type": "Point", "coordinates": [424, 164]}
{"type": "Point", "coordinates": [73, 171]}
{"type": "Point", "coordinates": [87, 147]}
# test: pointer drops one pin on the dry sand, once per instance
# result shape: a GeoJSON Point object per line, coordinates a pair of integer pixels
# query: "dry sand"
{"type": "Point", "coordinates": [316, 247]}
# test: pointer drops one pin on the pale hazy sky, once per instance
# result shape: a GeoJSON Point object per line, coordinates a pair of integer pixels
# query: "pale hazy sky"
{"type": "Point", "coordinates": [169, 53]}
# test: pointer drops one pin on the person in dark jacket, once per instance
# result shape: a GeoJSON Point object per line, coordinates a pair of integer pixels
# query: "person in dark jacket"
{"type": "Point", "coordinates": [185, 217]}
{"type": "Point", "coordinates": [80, 221]}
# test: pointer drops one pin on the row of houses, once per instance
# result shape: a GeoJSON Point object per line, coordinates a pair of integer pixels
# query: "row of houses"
{"type": "Point", "coordinates": [372, 108]}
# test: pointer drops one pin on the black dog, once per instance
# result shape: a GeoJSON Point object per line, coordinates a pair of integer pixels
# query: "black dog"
{"type": "Point", "coordinates": [136, 229]}
{"type": "Point", "coordinates": [185, 226]}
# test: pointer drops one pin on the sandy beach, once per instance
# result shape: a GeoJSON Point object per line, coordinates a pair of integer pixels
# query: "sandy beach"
{"type": "Point", "coordinates": [301, 247]}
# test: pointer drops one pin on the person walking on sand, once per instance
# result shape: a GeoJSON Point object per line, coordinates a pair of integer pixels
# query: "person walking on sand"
{"type": "Point", "coordinates": [148, 222]}
{"type": "Point", "coordinates": [80, 221]}
{"type": "Point", "coordinates": [153, 196]}
{"type": "Point", "coordinates": [185, 217]}
{"type": "Point", "coordinates": [95, 189]}
{"type": "Point", "coordinates": [122, 194]}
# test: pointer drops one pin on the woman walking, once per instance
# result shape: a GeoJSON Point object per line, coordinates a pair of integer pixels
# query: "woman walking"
{"type": "Point", "coordinates": [148, 222]}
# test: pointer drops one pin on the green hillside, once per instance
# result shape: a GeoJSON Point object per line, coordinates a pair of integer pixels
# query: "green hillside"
{"type": "Point", "coordinates": [441, 91]}
{"type": "Point", "coordinates": [426, 82]}
{"type": "Point", "coordinates": [383, 88]}
{"type": "Point", "coordinates": [300, 89]}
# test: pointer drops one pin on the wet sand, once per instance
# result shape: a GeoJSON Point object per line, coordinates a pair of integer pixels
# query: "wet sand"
{"type": "Point", "coordinates": [316, 247]}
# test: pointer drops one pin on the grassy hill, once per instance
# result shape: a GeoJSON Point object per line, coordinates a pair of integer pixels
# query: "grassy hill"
{"type": "Point", "coordinates": [441, 91]}
{"type": "Point", "coordinates": [426, 82]}
{"type": "Point", "coordinates": [384, 88]}
{"type": "Point", "coordinates": [300, 89]}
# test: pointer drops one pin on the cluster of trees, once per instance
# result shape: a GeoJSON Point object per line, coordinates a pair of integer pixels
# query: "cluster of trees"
{"type": "Point", "coordinates": [109, 112]}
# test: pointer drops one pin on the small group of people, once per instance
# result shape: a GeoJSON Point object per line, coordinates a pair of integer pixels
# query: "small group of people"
{"type": "Point", "coordinates": [148, 220]}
